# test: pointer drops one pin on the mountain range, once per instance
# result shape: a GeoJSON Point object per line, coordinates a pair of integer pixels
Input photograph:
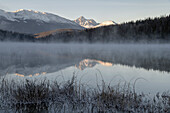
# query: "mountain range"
{"type": "Point", "coordinates": [33, 22]}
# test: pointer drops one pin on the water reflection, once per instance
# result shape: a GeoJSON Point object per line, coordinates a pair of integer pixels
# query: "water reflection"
{"type": "Point", "coordinates": [32, 58]}
{"type": "Point", "coordinates": [92, 72]}
{"type": "Point", "coordinates": [91, 63]}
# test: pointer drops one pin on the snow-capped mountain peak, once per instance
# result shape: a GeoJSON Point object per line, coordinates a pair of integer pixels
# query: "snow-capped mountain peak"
{"type": "Point", "coordinates": [87, 23]}
{"type": "Point", "coordinates": [82, 18]}
{"type": "Point", "coordinates": [33, 15]}
{"type": "Point", "coordinates": [106, 23]}
{"type": "Point", "coordinates": [90, 23]}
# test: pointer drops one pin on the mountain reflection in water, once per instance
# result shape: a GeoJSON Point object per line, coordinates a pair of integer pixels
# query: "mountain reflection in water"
{"type": "Point", "coordinates": [88, 70]}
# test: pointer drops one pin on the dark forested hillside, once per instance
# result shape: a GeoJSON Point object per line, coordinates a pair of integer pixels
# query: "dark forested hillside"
{"type": "Point", "coordinates": [157, 29]}
{"type": "Point", "coordinates": [13, 36]}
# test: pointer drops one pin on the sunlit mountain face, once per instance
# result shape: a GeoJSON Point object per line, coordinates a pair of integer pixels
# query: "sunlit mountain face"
{"type": "Point", "coordinates": [90, 23]}
{"type": "Point", "coordinates": [87, 23]}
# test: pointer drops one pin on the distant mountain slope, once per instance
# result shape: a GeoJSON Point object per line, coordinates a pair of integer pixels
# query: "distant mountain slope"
{"type": "Point", "coordinates": [29, 21]}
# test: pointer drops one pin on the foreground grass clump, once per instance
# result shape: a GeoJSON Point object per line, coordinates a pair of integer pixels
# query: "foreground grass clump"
{"type": "Point", "coordinates": [35, 96]}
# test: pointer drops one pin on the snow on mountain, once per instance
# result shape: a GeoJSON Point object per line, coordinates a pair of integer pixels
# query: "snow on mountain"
{"type": "Point", "coordinates": [29, 21]}
{"type": "Point", "coordinates": [106, 23]}
{"type": "Point", "coordinates": [33, 15]}
{"type": "Point", "coordinates": [90, 23]}
{"type": "Point", "coordinates": [87, 23]}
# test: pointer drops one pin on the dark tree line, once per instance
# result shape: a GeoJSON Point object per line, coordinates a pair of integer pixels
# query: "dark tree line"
{"type": "Point", "coordinates": [13, 36]}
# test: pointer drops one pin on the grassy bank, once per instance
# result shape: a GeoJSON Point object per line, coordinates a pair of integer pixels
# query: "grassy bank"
{"type": "Point", "coordinates": [35, 96]}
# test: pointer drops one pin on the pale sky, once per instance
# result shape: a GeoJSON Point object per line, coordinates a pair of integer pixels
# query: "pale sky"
{"type": "Point", "coordinates": [99, 10]}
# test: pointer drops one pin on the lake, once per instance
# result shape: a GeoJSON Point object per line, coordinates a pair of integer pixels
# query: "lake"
{"type": "Point", "coordinates": [147, 64]}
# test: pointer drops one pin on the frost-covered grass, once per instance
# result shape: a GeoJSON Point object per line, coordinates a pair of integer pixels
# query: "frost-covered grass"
{"type": "Point", "coordinates": [34, 96]}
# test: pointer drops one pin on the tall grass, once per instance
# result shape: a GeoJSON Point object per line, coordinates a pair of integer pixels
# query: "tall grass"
{"type": "Point", "coordinates": [35, 96]}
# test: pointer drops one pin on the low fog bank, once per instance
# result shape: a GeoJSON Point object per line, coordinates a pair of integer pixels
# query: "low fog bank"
{"type": "Point", "coordinates": [31, 58]}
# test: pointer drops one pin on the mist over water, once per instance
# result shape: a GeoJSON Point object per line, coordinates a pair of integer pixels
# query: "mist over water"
{"type": "Point", "coordinates": [143, 67]}
{"type": "Point", "coordinates": [30, 58]}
